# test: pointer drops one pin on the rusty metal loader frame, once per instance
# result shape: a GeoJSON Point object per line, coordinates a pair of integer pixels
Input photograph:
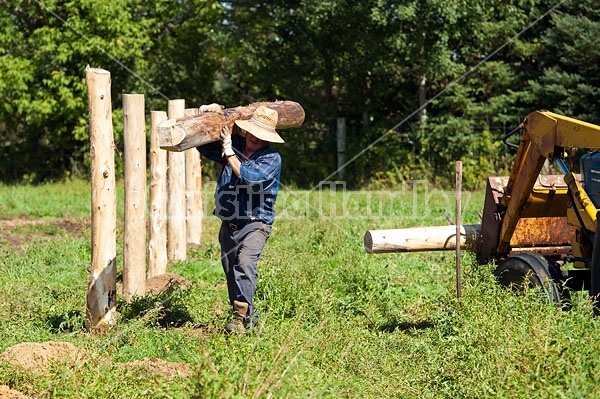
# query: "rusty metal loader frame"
{"type": "Point", "coordinates": [550, 218]}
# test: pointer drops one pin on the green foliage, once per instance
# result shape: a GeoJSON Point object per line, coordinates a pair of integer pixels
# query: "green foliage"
{"type": "Point", "coordinates": [46, 47]}
{"type": "Point", "coordinates": [455, 139]}
{"type": "Point", "coordinates": [570, 55]}
{"type": "Point", "coordinates": [47, 115]}
{"type": "Point", "coordinates": [458, 74]}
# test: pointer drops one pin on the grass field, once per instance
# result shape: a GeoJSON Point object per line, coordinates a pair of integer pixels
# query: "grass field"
{"type": "Point", "coordinates": [335, 322]}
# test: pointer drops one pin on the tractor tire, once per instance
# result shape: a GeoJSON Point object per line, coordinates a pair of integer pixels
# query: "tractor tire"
{"type": "Point", "coordinates": [532, 270]}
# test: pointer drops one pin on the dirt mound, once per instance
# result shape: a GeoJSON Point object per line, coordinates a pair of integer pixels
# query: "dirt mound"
{"type": "Point", "coordinates": [7, 393]}
{"type": "Point", "coordinates": [36, 357]}
{"type": "Point", "coordinates": [167, 370]}
{"type": "Point", "coordinates": [164, 282]}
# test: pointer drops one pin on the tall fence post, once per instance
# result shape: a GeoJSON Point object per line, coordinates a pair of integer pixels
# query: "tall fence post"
{"type": "Point", "coordinates": [341, 147]}
{"type": "Point", "coordinates": [157, 247]}
{"type": "Point", "coordinates": [134, 241]}
{"type": "Point", "coordinates": [459, 172]}
{"type": "Point", "coordinates": [176, 236]}
{"type": "Point", "coordinates": [193, 191]}
{"type": "Point", "coordinates": [102, 290]}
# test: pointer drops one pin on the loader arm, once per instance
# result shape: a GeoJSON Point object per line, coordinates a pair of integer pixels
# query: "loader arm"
{"type": "Point", "coordinates": [545, 136]}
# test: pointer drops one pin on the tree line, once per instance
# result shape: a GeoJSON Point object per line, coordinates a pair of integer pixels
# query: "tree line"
{"type": "Point", "coordinates": [421, 83]}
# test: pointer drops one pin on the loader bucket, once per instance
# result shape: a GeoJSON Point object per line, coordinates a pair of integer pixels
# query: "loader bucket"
{"type": "Point", "coordinates": [542, 228]}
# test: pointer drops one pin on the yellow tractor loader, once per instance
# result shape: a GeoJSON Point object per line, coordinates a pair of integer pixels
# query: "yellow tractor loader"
{"type": "Point", "coordinates": [533, 225]}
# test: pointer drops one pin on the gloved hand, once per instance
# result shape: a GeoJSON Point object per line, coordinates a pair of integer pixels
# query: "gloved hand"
{"type": "Point", "coordinates": [214, 107]}
{"type": "Point", "coordinates": [226, 142]}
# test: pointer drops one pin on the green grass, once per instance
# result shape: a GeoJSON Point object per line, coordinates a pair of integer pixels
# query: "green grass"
{"type": "Point", "coordinates": [69, 198]}
{"type": "Point", "coordinates": [335, 321]}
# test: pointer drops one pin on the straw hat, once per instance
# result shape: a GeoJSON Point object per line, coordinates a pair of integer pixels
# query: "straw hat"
{"type": "Point", "coordinates": [262, 125]}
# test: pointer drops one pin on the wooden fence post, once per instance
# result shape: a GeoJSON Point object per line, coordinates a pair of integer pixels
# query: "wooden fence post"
{"type": "Point", "coordinates": [193, 191]}
{"type": "Point", "coordinates": [176, 237]}
{"type": "Point", "coordinates": [134, 241]}
{"type": "Point", "coordinates": [102, 289]}
{"type": "Point", "coordinates": [157, 247]}
{"type": "Point", "coordinates": [459, 172]}
{"type": "Point", "coordinates": [341, 147]}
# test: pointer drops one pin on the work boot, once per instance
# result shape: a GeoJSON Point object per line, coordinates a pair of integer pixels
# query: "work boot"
{"type": "Point", "coordinates": [238, 325]}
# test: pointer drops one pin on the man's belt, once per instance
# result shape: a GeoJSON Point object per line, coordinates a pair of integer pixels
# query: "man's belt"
{"type": "Point", "coordinates": [238, 226]}
{"type": "Point", "coordinates": [233, 226]}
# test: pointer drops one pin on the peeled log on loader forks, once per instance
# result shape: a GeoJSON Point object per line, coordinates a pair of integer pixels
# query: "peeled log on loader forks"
{"type": "Point", "coordinates": [196, 130]}
{"type": "Point", "coordinates": [532, 225]}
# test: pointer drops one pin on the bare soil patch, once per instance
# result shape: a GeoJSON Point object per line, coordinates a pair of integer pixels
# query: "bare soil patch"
{"type": "Point", "coordinates": [164, 282]}
{"type": "Point", "coordinates": [7, 393]}
{"type": "Point", "coordinates": [19, 231]}
{"type": "Point", "coordinates": [38, 357]}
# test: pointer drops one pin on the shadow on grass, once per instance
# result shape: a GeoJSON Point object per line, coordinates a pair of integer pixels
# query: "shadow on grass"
{"type": "Point", "coordinates": [67, 322]}
{"type": "Point", "coordinates": [166, 308]}
{"type": "Point", "coordinates": [395, 325]}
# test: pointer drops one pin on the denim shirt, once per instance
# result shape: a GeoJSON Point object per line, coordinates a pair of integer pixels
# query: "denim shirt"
{"type": "Point", "coordinates": [251, 195]}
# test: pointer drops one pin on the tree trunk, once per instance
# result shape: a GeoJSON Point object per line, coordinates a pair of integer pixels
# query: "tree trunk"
{"type": "Point", "coordinates": [438, 238]}
{"type": "Point", "coordinates": [422, 100]}
{"type": "Point", "coordinates": [193, 131]}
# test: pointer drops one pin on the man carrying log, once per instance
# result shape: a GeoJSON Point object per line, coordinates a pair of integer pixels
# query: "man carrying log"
{"type": "Point", "coordinates": [245, 202]}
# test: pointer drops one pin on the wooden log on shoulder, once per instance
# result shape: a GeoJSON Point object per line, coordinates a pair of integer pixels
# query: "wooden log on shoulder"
{"type": "Point", "coordinates": [437, 238]}
{"type": "Point", "coordinates": [196, 130]}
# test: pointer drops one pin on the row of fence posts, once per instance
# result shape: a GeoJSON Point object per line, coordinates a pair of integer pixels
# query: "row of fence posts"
{"type": "Point", "coordinates": [175, 208]}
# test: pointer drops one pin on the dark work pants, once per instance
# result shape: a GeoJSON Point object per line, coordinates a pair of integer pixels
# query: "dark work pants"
{"type": "Point", "coordinates": [240, 252]}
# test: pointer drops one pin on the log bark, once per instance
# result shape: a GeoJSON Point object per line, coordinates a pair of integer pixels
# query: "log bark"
{"type": "Point", "coordinates": [134, 240]}
{"type": "Point", "coordinates": [157, 247]}
{"type": "Point", "coordinates": [180, 134]}
{"type": "Point", "coordinates": [102, 288]}
{"type": "Point", "coordinates": [438, 238]}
